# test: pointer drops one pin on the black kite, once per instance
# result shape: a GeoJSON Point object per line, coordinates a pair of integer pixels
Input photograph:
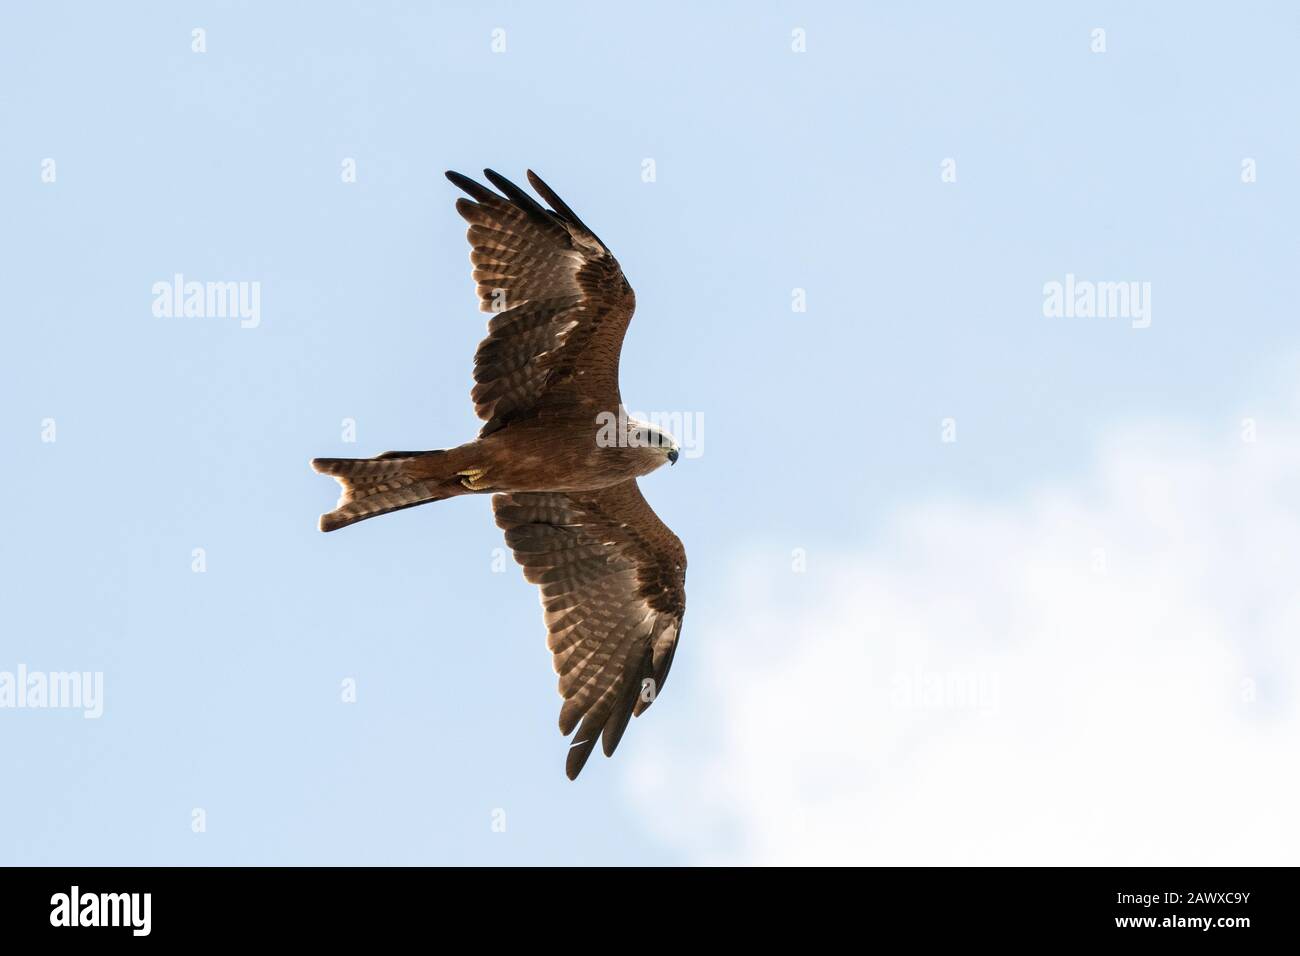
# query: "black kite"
{"type": "Point", "coordinates": [612, 575]}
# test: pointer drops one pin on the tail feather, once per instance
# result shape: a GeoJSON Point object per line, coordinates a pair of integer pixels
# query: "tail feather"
{"type": "Point", "coordinates": [376, 486]}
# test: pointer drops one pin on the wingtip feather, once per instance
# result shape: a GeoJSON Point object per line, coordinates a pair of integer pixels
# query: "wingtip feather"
{"type": "Point", "coordinates": [475, 189]}
{"type": "Point", "coordinates": [578, 754]}
{"type": "Point", "coordinates": [514, 193]}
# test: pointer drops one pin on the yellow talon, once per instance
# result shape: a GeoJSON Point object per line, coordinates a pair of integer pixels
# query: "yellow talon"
{"type": "Point", "coordinates": [471, 478]}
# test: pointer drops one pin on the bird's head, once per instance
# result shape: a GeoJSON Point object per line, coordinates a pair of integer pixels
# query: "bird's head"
{"type": "Point", "coordinates": [660, 445]}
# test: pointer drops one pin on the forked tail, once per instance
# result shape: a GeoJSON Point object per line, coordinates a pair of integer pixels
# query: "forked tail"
{"type": "Point", "coordinates": [376, 486]}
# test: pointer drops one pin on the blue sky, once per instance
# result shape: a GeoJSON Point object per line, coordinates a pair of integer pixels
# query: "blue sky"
{"type": "Point", "coordinates": [775, 171]}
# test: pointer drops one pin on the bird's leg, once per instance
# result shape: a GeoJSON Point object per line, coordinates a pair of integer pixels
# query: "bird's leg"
{"type": "Point", "coordinates": [472, 478]}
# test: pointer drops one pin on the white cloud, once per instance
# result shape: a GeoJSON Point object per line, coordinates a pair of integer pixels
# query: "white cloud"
{"type": "Point", "coordinates": [982, 685]}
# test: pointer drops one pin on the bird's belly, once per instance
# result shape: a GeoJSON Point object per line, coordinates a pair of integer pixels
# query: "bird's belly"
{"type": "Point", "coordinates": [562, 467]}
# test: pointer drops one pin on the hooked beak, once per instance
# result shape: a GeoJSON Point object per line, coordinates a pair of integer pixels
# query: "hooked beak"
{"type": "Point", "coordinates": [672, 456]}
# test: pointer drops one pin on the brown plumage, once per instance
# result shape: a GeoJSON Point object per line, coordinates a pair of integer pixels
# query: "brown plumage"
{"type": "Point", "coordinates": [612, 575]}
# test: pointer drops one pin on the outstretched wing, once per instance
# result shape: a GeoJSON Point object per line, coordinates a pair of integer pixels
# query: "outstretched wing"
{"type": "Point", "coordinates": [562, 304]}
{"type": "Point", "coordinates": [613, 583]}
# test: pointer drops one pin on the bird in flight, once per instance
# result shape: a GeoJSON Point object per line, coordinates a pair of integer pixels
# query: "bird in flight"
{"type": "Point", "coordinates": [559, 455]}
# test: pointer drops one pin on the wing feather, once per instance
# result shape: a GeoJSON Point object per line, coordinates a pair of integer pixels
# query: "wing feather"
{"type": "Point", "coordinates": [613, 588]}
{"type": "Point", "coordinates": [561, 302]}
